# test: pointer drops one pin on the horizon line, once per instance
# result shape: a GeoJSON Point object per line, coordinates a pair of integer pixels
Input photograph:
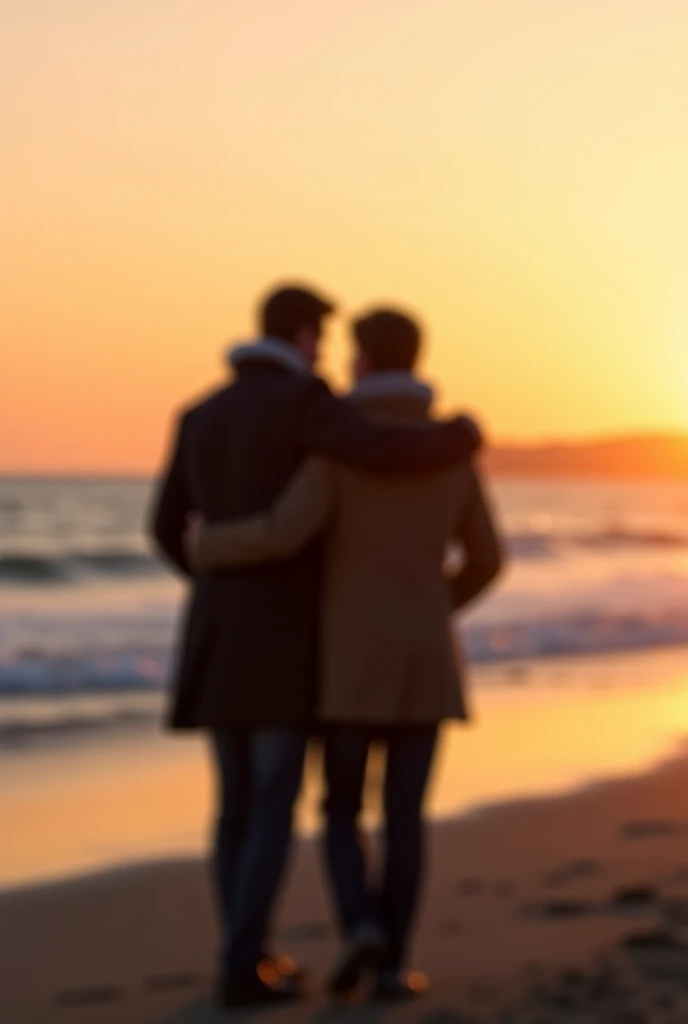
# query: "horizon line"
{"type": "Point", "coordinates": [501, 446]}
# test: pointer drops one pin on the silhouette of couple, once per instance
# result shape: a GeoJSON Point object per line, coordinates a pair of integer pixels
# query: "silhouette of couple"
{"type": "Point", "coordinates": [320, 605]}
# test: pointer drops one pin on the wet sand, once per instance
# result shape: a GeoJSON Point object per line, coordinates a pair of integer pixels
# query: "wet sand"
{"type": "Point", "coordinates": [88, 801]}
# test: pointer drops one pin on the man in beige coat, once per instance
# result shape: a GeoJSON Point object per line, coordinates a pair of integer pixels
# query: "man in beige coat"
{"type": "Point", "coordinates": [390, 663]}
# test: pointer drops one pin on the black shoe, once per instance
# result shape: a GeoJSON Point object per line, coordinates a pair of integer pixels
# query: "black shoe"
{"type": "Point", "coordinates": [401, 989]}
{"type": "Point", "coordinates": [362, 953]}
{"type": "Point", "coordinates": [267, 987]}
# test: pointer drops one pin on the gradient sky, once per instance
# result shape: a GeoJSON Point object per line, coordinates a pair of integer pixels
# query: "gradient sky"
{"type": "Point", "coordinates": [515, 170]}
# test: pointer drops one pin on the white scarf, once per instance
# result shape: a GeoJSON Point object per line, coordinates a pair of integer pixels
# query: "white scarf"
{"type": "Point", "coordinates": [393, 384]}
{"type": "Point", "coordinates": [271, 350]}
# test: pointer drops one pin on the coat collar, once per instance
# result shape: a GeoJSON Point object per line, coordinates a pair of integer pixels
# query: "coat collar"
{"type": "Point", "coordinates": [268, 350]}
{"type": "Point", "coordinates": [393, 384]}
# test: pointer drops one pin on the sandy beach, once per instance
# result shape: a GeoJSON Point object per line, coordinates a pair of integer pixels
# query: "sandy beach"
{"type": "Point", "coordinates": [524, 879]}
{"type": "Point", "coordinates": [514, 891]}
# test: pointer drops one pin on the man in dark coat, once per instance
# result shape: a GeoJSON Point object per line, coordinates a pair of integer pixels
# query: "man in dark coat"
{"type": "Point", "coordinates": [247, 669]}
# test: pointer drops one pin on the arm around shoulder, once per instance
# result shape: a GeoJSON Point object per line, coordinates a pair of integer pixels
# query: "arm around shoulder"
{"type": "Point", "coordinates": [333, 428]}
{"type": "Point", "coordinates": [296, 516]}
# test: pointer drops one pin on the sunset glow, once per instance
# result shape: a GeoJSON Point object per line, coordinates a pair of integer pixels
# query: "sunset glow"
{"type": "Point", "coordinates": [514, 172]}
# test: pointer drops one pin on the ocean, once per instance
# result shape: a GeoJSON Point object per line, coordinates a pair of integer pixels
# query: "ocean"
{"type": "Point", "coordinates": [88, 614]}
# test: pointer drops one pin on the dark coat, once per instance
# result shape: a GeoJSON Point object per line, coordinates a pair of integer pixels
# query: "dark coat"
{"type": "Point", "coordinates": [248, 655]}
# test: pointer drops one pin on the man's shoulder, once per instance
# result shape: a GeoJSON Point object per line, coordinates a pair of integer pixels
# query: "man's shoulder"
{"type": "Point", "coordinates": [212, 400]}
{"type": "Point", "coordinates": [199, 408]}
{"type": "Point", "coordinates": [306, 390]}
{"type": "Point", "coordinates": [303, 391]}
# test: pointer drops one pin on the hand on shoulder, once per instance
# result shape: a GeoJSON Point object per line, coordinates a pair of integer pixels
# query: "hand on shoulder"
{"type": "Point", "coordinates": [472, 428]}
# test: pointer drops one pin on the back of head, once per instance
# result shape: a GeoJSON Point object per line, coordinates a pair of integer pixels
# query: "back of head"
{"type": "Point", "coordinates": [288, 310]}
{"type": "Point", "coordinates": [389, 340]}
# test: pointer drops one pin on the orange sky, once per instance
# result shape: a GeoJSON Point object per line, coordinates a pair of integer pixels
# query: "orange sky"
{"type": "Point", "coordinates": [514, 171]}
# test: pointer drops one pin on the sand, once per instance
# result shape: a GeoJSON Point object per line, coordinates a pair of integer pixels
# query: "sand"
{"type": "Point", "coordinates": [515, 892]}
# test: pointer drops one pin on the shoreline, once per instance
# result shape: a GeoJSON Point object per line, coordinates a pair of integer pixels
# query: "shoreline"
{"type": "Point", "coordinates": [138, 795]}
{"type": "Point", "coordinates": [474, 814]}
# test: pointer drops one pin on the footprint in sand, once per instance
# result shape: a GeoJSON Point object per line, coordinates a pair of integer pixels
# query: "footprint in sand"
{"type": "Point", "coordinates": [634, 899]}
{"type": "Point", "coordinates": [89, 996]}
{"type": "Point", "coordinates": [583, 867]}
{"type": "Point", "coordinates": [657, 939]}
{"type": "Point", "coordinates": [560, 910]}
{"type": "Point", "coordinates": [656, 828]}
{"type": "Point", "coordinates": [630, 899]}
{"type": "Point", "coordinates": [658, 954]}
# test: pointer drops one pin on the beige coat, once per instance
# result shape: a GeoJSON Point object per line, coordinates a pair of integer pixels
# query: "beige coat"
{"type": "Point", "coordinates": [389, 653]}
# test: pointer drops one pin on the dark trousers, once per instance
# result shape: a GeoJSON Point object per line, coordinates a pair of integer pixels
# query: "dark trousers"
{"type": "Point", "coordinates": [259, 775]}
{"type": "Point", "coordinates": [392, 901]}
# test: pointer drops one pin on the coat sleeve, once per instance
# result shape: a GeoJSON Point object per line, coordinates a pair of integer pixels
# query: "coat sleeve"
{"type": "Point", "coordinates": [299, 513]}
{"type": "Point", "coordinates": [334, 429]}
{"type": "Point", "coordinates": [475, 533]}
{"type": "Point", "coordinates": [172, 505]}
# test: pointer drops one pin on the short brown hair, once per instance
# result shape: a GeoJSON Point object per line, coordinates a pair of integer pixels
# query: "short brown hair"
{"type": "Point", "coordinates": [391, 340]}
{"type": "Point", "coordinates": [285, 311]}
